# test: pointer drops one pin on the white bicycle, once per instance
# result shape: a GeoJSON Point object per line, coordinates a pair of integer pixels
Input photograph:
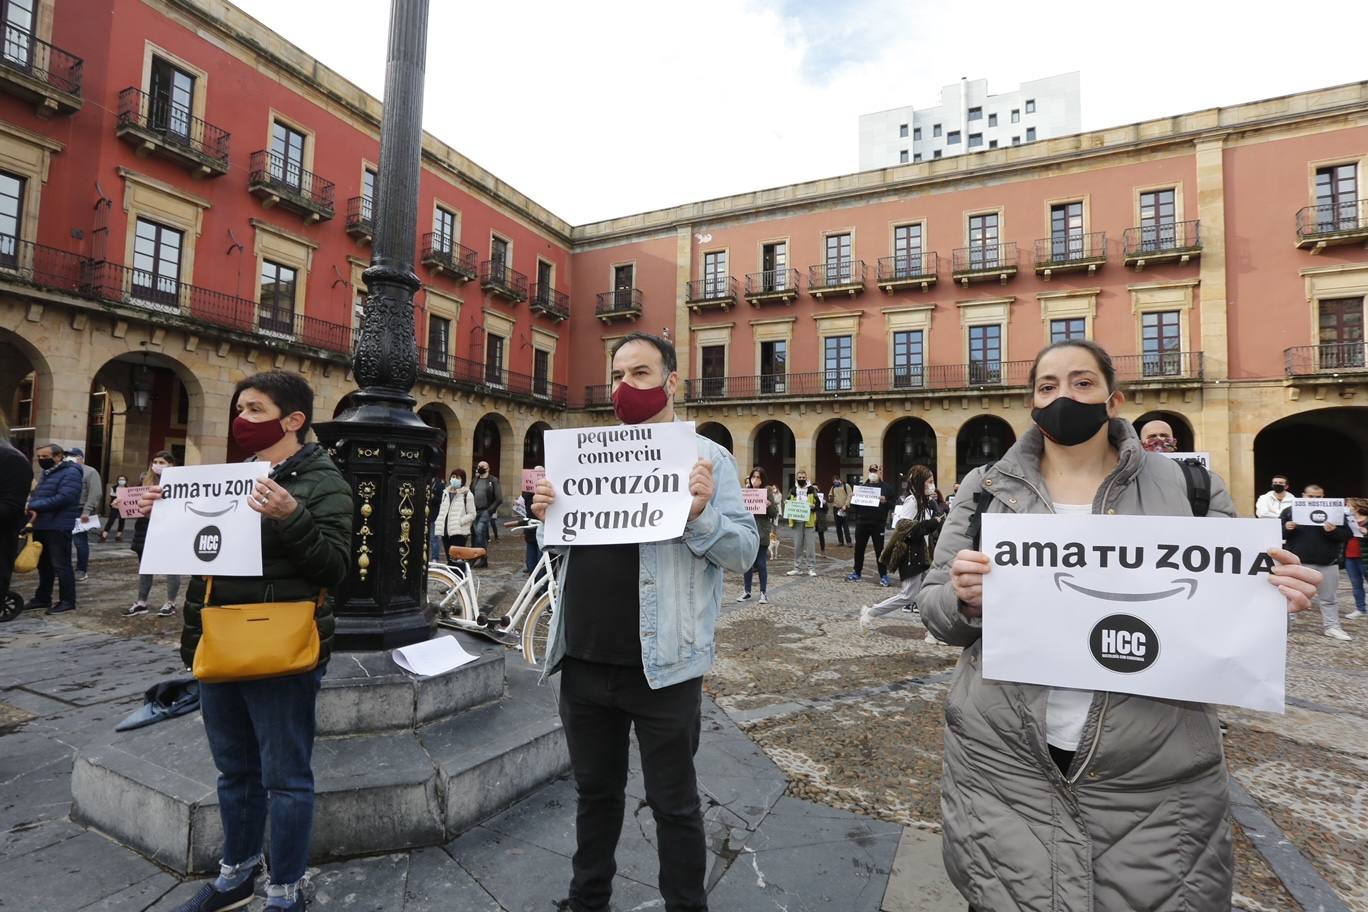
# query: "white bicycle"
{"type": "Point", "coordinates": [454, 590]}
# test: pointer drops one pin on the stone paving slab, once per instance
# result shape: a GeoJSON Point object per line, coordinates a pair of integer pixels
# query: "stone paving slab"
{"type": "Point", "coordinates": [918, 882]}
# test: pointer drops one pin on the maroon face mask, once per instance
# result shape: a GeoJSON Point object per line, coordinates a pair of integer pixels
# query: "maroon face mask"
{"type": "Point", "coordinates": [255, 436]}
{"type": "Point", "coordinates": [633, 405]}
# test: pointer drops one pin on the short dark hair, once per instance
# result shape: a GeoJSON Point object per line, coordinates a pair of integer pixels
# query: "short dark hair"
{"type": "Point", "coordinates": [289, 391]}
{"type": "Point", "coordinates": [668, 359]}
{"type": "Point", "coordinates": [458, 473]}
{"type": "Point", "coordinates": [1281, 475]}
{"type": "Point", "coordinates": [56, 449]}
{"type": "Point", "coordinates": [1100, 355]}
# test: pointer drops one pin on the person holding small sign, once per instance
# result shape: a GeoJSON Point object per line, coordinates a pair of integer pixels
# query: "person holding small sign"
{"type": "Point", "coordinates": [804, 524]}
{"type": "Point", "coordinates": [763, 523]}
{"type": "Point", "coordinates": [631, 637]}
{"type": "Point", "coordinates": [261, 729]}
{"type": "Point", "coordinates": [1319, 546]}
{"type": "Point", "coordinates": [870, 520]}
{"type": "Point", "coordinates": [1066, 799]}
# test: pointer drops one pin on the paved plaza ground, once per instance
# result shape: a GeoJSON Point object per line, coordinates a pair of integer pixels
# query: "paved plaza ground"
{"type": "Point", "coordinates": [820, 769]}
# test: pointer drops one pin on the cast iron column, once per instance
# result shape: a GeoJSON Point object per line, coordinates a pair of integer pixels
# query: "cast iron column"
{"type": "Point", "coordinates": [385, 450]}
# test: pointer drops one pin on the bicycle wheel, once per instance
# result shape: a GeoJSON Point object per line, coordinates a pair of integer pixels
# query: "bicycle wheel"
{"type": "Point", "coordinates": [447, 596]}
{"type": "Point", "coordinates": [536, 630]}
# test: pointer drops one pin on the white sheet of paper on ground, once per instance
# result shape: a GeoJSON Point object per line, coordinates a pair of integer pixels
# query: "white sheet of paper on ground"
{"type": "Point", "coordinates": [432, 657]}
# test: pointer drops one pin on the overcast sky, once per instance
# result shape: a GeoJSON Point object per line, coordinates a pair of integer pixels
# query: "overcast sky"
{"type": "Point", "coordinates": [602, 108]}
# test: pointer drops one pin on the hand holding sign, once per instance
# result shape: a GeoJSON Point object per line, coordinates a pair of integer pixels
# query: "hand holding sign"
{"type": "Point", "coordinates": [966, 578]}
{"type": "Point", "coordinates": [271, 500]}
{"type": "Point", "coordinates": [700, 486]}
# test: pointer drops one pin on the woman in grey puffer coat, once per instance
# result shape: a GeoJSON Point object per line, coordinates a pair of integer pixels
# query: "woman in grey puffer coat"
{"type": "Point", "coordinates": [1113, 802]}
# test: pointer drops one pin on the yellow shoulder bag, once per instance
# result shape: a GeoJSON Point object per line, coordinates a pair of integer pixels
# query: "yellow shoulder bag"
{"type": "Point", "coordinates": [29, 556]}
{"type": "Point", "coordinates": [263, 640]}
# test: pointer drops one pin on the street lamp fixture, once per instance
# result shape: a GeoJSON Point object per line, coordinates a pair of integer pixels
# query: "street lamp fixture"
{"type": "Point", "coordinates": [142, 386]}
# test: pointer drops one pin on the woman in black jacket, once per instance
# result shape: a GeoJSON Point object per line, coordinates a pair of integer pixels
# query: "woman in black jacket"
{"type": "Point", "coordinates": [261, 732]}
{"type": "Point", "coordinates": [917, 518]}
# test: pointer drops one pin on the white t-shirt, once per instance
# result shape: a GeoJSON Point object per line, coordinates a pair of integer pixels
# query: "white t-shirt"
{"type": "Point", "coordinates": [1066, 709]}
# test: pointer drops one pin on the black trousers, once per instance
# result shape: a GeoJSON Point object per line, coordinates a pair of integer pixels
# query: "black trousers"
{"type": "Point", "coordinates": [598, 705]}
{"type": "Point", "coordinates": [842, 534]}
{"type": "Point", "coordinates": [55, 563]}
{"type": "Point", "coordinates": [863, 533]}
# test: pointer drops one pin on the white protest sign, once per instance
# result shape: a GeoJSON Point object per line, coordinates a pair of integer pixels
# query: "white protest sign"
{"type": "Point", "coordinates": [866, 496]}
{"type": "Point", "coordinates": [202, 525]}
{"type": "Point", "coordinates": [618, 485]}
{"type": "Point", "coordinates": [1160, 606]}
{"type": "Point", "coordinates": [1318, 511]}
{"type": "Point", "coordinates": [756, 500]}
{"type": "Point", "coordinates": [1203, 458]}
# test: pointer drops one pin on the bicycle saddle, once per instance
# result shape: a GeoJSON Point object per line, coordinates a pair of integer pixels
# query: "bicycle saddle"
{"type": "Point", "coordinates": [466, 554]}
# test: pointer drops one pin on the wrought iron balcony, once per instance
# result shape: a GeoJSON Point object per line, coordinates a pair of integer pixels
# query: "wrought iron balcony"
{"type": "Point", "coordinates": [871, 382]}
{"type": "Point", "coordinates": [618, 304]}
{"type": "Point", "coordinates": [549, 302]}
{"type": "Point", "coordinates": [283, 183]}
{"type": "Point", "coordinates": [1330, 361]}
{"type": "Point", "coordinates": [40, 266]}
{"type": "Point", "coordinates": [439, 365]}
{"type": "Point", "coordinates": [834, 277]}
{"type": "Point", "coordinates": [361, 219]}
{"type": "Point", "coordinates": [1070, 253]}
{"type": "Point", "coordinates": [503, 280]}
{"type": "Point", "coordinates": [908, 270]}
{"type": "Point", "coordinates": [985, 262]}
{"type": "Point", "coordinates": [155, 126]}
{"type": "Point", "coordinates": [1331, 224]}
{"type": "Point", "coordinates": [444, 256]}
{"type": "Point", "coordinates": [1168, 242]}
{"type": "Point", "coordinates": [599, 395]}
{"type": "Point", "coordinates": [711, 291]}
{"type": "Point", "coordinates": [40, 73]}
{"type": "Point", "coordinates": [772, 285]}
{"type": "Point", "coordinates": [1158, 367]}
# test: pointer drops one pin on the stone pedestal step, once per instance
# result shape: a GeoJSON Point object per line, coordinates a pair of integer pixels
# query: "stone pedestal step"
{"type": "Point", "coordinates": [154, 789]}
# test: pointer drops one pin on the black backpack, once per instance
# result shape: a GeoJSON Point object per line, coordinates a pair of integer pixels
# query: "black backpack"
{"type": "Point", "coordinates": [1196, 475]}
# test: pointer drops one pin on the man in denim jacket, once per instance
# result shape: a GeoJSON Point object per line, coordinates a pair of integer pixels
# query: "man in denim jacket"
{"type": "Point", "coordinates": [632, 637]}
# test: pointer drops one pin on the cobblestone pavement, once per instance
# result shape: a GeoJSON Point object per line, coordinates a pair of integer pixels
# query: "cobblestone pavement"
{"type": "Point", "coordinates": [855, 720]}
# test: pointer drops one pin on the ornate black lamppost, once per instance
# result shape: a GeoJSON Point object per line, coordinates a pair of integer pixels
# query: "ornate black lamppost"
{"type": "Point", "coordinates": [385, 450]}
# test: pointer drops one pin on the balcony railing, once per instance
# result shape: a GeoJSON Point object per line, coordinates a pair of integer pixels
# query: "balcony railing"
{"type": "Point", "coordinates": [503, 280]}
{"type": "Point", "coordinates": [282, 182]}
{"type": "Point", "coordinates": [1157, 243]}
{"type": "Point", "coordinates": [1332, 223]}
{"type": "Point", "coordinates": [441, 365]}
{"type": "Point", "coordinates": [904, 270]}
{"type": "Point", "coordinates": [156, 125]}
{"type": "Point", "coordinates": [38, 71]}
{"type": "Point", "coordinates": [1158, 366]}
{"type": "Point", "coordinates": [599, 395]}
{"type": "Point", "coordinates": [361, 218]}
{"type": "Point", "coordinates": [443, 255]}
{"type": "Point", "coordinates": [868, 381]}
{"type": "Point", "coordinates": [44, 267]}
{"type": "Point", "coordinates": [1327, 360]}
{"type": "Point", "coordinates": [711, 291]}
{"type": "Point", "coordinates": [840, 276]}
{"type": "Point", "coordinates": [618, 304]}
{"type": "Point", "coordinates": [549, 302]}
{"type": "Point", "coordinates": [1070, 252]}
{"type": "Point", "coordinates": [772, 285]}
{"type": "Point", "coordinates": [983, 262]}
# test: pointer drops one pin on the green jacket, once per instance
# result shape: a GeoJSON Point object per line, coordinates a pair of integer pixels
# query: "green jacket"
{"type": "Point", "coordinates": [300, 554]}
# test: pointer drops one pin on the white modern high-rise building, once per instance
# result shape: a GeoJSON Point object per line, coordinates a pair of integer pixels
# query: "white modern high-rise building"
{"type": "Point", "coordinates": [968, 119]}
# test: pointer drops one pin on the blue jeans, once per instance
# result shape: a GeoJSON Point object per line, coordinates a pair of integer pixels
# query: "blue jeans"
{"type": "Point", "coordinates": [761, 566]}
{"type": "Point", "coordinates": [435, 546]}
{"type": "Point", "coordinates": [82, 542]}
{"type": "Point", "coordinates": [533, 555]}
{"type": "Point", "coordinates": [261, 734]}
{"type": "Point", "coordinates": [480, 533]}
{"type": "Point", "coordinates": [1354, 566]}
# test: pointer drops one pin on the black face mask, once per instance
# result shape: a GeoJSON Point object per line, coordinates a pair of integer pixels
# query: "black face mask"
{"type": "Point", "coordinates": [1069, 422]}
{"type": "Point", "coordinates": [46, 464]}
{"type": "Point", "coordinates": [1277, 488]}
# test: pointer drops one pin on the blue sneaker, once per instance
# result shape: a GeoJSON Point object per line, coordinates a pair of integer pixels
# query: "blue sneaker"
{"type": "Point", "coordinates": [854, 578]}
{"type": "Point", "coordinates": [883, 581]}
